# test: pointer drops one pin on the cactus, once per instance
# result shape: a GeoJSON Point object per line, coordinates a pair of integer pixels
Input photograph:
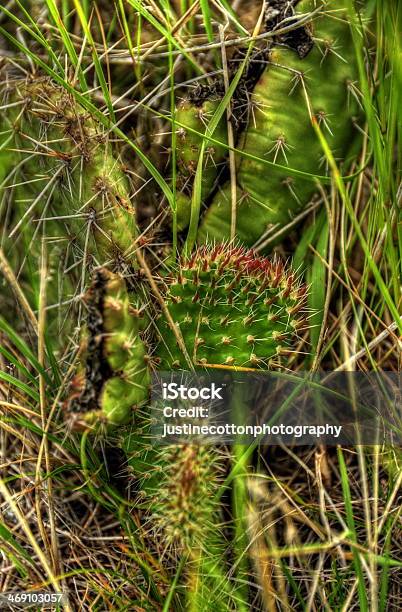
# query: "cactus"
{"type": "Point", "coordinates": [114, 376]}
{"type": "Point", "coordinates": [232, 307]}
{"type": "Point", "coordinates": [68, 174]}
{"type": "Point", "coordinates": [195, 117]}
{"type": "Point", "coordinates": [180, 496]}
{"type": "Point", "coordinates": [67, 140]}
{"type": "Point", "coordinates": [177, 487]}
{"type": "Point", "coordinates": [283, 131]}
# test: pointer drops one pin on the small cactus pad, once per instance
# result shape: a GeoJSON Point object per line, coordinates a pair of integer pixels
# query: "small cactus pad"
{"type": "Point", "coordinates": [114, 378]}
{"type": "Point", "coordinates": [292, 92]}
{"type": "Point", "coordinates": [232, 307]}
{"type": "Point", "coordinates": [181, 503]}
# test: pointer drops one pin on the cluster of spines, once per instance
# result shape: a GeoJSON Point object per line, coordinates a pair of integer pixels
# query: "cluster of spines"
{"type": "Point", "coordinates": [230, 303]}
{"type": "Point", "coordinates": [180, 503]}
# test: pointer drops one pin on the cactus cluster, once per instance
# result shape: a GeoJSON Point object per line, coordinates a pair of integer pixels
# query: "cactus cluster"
{"type": "Point", "coordinates": [66, 183]}
{"type": "Point", "coordinates": [232, 307]}
{"type": "Point", "coordinates": [83, 84]}
{"type": "Point", "coordinates": [114, 376]}
{"type": "Point", "coordinates": [293, 91]}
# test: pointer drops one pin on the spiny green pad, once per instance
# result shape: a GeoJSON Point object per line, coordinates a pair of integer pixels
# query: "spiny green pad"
{"type": "Point", "coordinates": [114, 379]}
{"type": "Point", "coordinates": [178, 490]}
{"type": "Point", "coordinates": [232, 307]}
{"type": "Point", "coordinates": [281, 130]}
{"type": "Point", "coordinates": [63, 145]}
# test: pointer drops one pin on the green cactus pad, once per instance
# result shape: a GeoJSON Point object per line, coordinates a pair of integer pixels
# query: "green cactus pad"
{"type": "Point", "coordinates": [114, 379]}
{"type": "Point", "coordinates": [192, 124]}
{"type": "Point", "coordinates": [177, 488]}
{"type": "Point", "coordinates": [232, 308]}
{"type": "Point", "coordinates": [62, 145]}
{"type": "Point", "coordinates": [70, 187]}
{"type": "Point", "coordinates": [181, 503]}
{"type": "Point", "coordinates": [282, 131]}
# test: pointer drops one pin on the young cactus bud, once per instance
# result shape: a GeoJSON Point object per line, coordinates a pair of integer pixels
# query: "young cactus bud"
{"type": "Point", "coordinates": [114, 379]}
{"type": "Point", "coordinates": [232, 308]}
{"type": "Point", "coordinates": [292, 93]}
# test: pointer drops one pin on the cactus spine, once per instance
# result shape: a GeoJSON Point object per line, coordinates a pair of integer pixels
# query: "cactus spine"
{"type": "Point", "coordinates": [289, 90]}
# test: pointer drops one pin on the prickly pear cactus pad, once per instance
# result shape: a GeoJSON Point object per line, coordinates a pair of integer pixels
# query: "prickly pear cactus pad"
{"type": "Point", "coordinates": [232, 308]}
{"type": "Point", "coordinates": [114, 378]}
{"type": "Point", "coordinates": [181, 497]}
{"type": "Point", "coordinates": [177, 488]}
{"type": "Point", "coordinates": [291, 93]}
{"type": "Point", "coordinates": [68, 174]}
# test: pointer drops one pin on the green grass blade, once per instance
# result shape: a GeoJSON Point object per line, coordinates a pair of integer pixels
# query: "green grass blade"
{"type": "Point", "coordinates": [206, 13]}
{"type": "Point", "coordinates": [72, 54]}
{"type": "Point", "coordinates": [18, 384]}
{"type": "Point", "coordinates": [317, 281]}
{"type": "Point", "coordinates": [24, 349]}
{"type": "Point", "coordinates": [95, 58]}
{"type": "Point", "coordinates": [139, 6]}
{"type": "Point", "coordinates": [347, 498]}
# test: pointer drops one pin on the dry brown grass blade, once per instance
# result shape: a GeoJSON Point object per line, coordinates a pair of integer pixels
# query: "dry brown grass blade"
{"type": "Point", "coordinates": [15, 286]}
